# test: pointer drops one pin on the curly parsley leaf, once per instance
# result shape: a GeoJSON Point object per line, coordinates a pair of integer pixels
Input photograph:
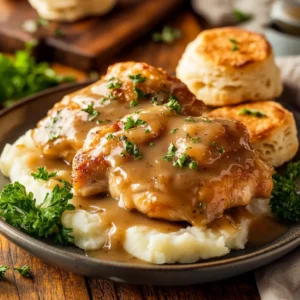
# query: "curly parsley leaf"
{"type": "Point", "coordinates": [3, 270]}
{"type": "Point", "coordinates": [19, 209]}
{"type": "Point", "coordinates": [25, 271]}
{"type": "Point", "coordinates": [22, 76]}
{"type": "Point", "coordinates": [285, 200]}
{"type": "Point", "coordinates": [173, 104]}
{"type": "Point", "coordinates": [43, 174]}
{"type": "Point", "coordinates": [131, 123]}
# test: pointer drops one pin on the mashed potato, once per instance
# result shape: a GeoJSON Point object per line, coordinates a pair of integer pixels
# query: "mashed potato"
{"type": "Point", "coordinates": [184, 246]}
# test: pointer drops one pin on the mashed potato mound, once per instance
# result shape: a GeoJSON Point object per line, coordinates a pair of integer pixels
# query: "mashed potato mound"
{"type": "Point", "coordinates": [187, 245]}
{"type": "Point", "coordinates": [88, 230]}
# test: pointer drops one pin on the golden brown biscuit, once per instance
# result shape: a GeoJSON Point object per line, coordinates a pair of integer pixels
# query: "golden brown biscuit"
{"type": "Point", "coordinates": [226, 66]}
{"type": "Point", "coordinates": [272, 128]}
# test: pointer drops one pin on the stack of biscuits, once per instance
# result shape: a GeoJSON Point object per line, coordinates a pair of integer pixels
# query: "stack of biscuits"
{"type": "Point", "coordinates": [234, 70]}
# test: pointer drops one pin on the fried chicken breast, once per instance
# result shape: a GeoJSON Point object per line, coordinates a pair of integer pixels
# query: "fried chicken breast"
{"type": "Point", "coordinates": [170, 166]}
{"type": "Point", "coordinates": [125, 88]}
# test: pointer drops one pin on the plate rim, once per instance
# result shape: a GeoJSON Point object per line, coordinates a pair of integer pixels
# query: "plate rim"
{"type": "Point", "coordinates": [16, 235]}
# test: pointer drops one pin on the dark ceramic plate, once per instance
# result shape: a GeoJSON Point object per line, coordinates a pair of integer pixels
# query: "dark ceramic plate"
{"type": "Point", "coordinates": [23, 116]}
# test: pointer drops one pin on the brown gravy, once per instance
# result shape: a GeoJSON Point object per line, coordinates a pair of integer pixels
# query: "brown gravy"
{"type": "Point", "coordinates": [262, 229]}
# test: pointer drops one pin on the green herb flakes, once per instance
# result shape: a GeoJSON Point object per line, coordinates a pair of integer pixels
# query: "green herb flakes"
{"type": "Point", "coordinates": [220, 149]}
{"type": "Point", "coordinates": [91, 111]}
{"type": "Point", "coordinates": [3, 270]}
{"type": "Point", "coordinates": [252, 112]}
{"type": "Point", "coordinates": [43, 174]}
{"type": "Point", "coordinates": [114, 83]}
{"type": "Point", "coordinates": [173, 104]}
{"type": "Point", "coordinates": [234, 44]}
{"type": "Point", "coordinates": [168, 35]}
{"type": "Point", "coordinates": [138, 78]}
{"type": "Point", "coordinates": [25, 271]}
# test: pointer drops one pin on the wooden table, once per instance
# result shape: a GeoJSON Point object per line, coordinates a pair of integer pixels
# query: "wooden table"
{"type": "Point", "coordinates": [53, 283]}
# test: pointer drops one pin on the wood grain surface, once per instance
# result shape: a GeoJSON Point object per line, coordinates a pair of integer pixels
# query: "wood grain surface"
{"type": "Point", "coordinates": [87, 42]}
{"type": "Point", "coordinates": [52, 283]}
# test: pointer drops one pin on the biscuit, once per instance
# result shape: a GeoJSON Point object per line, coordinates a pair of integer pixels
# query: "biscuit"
{"type": "Point", "coordinates": [227, 66]}
{"type": "Point", "coordinates": [271, 127]}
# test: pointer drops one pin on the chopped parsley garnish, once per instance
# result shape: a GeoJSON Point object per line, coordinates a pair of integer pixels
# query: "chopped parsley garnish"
{"type": "Point", "coordinates": [173, 104]}
{"type": "Point", "coordinates": [168, 35]}
{"type": "Point", "coordinates": [241, 16]}
{"type": "Point", "coordinates": [102, 121]}
{"type": "Point", "coordinates": [3, 270]}
{"type": "Point", "coordinates": [190, 119]}
{"type": "Point", "coordinates": [131, 148]}
{"type": "Point", "coordinates": [19, 209]}
{"type": "Point", "coordinates": [140, 94]}
{"type": "Point", "coordinates": [206, 120]}
{"type": "Point", "coordinates": [110, 137]}
{"type": "Point", "coordinates": [173, 130]}
{"type": "Point", "coordinates": [285, 199]}
{"type": "Point", "coordinates": [24, 271]}
{"type": "Point", "coordinates": [234, 44]}
{"type": "Point", "coordinates": [147, 130]}
{"type": "Point", "coordinates": [138, 78]}
{"type": "Point", "coordinates": [53, 136]}
{"type": "Point", "coordinates": [151, 144]}
{"type": "Point", "coordinates": [123, 154]}
{"type": "Point", "coordinates": [43, 174]}
{"type": "Point", "coordinates": [133, 103]}
{"type": "Point", "coordinates": [193, 139]}
{"type": "Point", "coordinates": [114, 83]}
{"type": "Point", "coordinates": [251, 112]}
{"type": "Point", "coordinates": [91, 111]}
{"type": "Point", "coordinates": [221, 149]}
{"type": "Point", "coordinates": [185, 160]}
{"type": "Point", "coordinates": [171, 152]}
{"type": "Point", "coordinates": [130, 123]}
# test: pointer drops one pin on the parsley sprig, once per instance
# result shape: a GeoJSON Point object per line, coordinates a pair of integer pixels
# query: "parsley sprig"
{"type": "Point", "coordinates": [19, 209]}
{"type": "Point", "coordinates": [25, 271]}
{"type": "Point", "coordinates": [3, 270]}
{"type": "Point", "coordinates": [234, 44]}
{"type": "Point", "coordinates": [285, 200]}
{"type": "Point", "coordinates": [22, 76]}
{"type": "Point", "coordinates": [43, 174]}
{"type": "Point", "coordinates": [173, 104]}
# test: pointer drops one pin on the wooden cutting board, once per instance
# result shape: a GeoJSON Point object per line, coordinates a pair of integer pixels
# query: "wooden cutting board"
{"type": "Point", "coordinates": [88, 42]}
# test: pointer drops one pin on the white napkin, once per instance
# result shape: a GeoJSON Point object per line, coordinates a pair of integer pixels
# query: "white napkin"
{"type": "Point", "coordinates": [220, 12]}
{"type": "Point", "coordinates": [280, 280]}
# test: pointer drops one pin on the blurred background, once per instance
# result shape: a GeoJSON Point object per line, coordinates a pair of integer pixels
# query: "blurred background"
{"type": "Point", "coordinates": [45, 43]}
